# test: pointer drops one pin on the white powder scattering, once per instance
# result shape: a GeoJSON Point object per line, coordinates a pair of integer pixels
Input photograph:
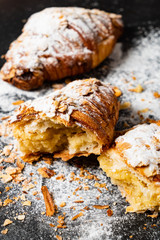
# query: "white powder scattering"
{"type": "Point", "coordinates": [140, 60]}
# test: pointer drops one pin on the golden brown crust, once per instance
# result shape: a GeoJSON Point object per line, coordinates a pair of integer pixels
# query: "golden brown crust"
{"type": "Point", "coordinates": [60, 42]}
{"type": "Point", "coordinates": [88, 104]}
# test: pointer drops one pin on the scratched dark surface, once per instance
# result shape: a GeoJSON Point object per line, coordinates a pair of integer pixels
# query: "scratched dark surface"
{"type": "Point", "coordinates": [136, 53]}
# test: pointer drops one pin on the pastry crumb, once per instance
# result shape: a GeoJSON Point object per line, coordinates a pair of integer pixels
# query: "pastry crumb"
{"type": "Point", "coordinates": [7, 222]}
{"type": "Point", "coordinates": [77, 216]}
{"type": "Point", "coordinates": [109, 212]}
{"type": "Point", "coordinates": [62, 204]}
{"type": "Point", "coordinates": [4, 231]}
{"type": "Point", "coordinates": [137, 89]}
{"type": "Point", "coordinates": [125, 105]}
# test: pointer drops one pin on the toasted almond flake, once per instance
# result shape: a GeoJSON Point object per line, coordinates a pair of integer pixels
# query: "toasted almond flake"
{"type": "Point", "coordinates": [156, 95]}
{"type": "Point", "coordinates": [11, 170]}
{"type": "Point", "coordinates": [117, 91]}
{"type": "Point", "coordinates": [46, 172]}
{"type": "Point", "coordinates": [60, 177]}
{"type": "Point", "coordinates": [5, 178]}
{"type": "Point", "coordinates": [77, 216]}
{"type": "Point", "coordinates": [101, 206]}
{"type": "Point", "coordinates": [58, 237]}
{"type": "Point", "coordinates": [7, 189]}
{"type": "Point", "coordinates": [78, 201]}
{"type": "Point", "coordinates": [4, 118]}
{"type": "Point", "coordinates": [17, 102]}
{"type": "Point", "coordinates": [58, 86]}
{"type": "Point", "coordinates": [28, 187]}
{"type": "Point", "coordinates": [7, 201]}
{"type": "Point", "coordinates": [26, 203]}
{"type": "Point", "coordinates": [4, 231]}
{"type": "Point", "coordinates": [42, 213]}
{"type": "Point", "coordinates": [20, 164]}
{"type": "Point", "coordinates": [51, 225]}
{"type": "Point", "coordinates": [7, 150]}
{"type": "Point", "coordinates": [62, 204]}
{"type": "Point", "coordinates": [11, 158]}
{"type": "Point", "coordinates": [86, 208]}
{"type": "Point", "coordinates": [21, 217]}
{"type": "Point", "coordinates": [50, 205]}
{"type": "Point", "coordinates": [7, 222]}
{"type": "Point", "coordinates": [125, 105]}
{"type": "Point", "coordinates": [133, 77]}
{"type": "Point", "coordinates": [154, 215]}
{"type": "Point", "coordinates": [109, 212]}
{"type": "Point", "coordinates": [137, 89]}
{"type": "Point", "coordinates": [35, 193]}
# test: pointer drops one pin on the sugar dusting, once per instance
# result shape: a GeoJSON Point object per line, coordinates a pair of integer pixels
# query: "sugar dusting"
{"type": "Point", "coordinates": [140, 61]}
{"type": "Point", "coordinates": [145, 143]}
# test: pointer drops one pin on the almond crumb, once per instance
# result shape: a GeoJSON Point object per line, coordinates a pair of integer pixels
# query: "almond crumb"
{"type": "Point", "coordinates": [137, 89]}
{"type": "Point", "coordinates": [21, 217]}
{"type": "Point", "coordinates": [4, 231]}
{"type": "Point", "coordinates": [7, 222]}
{"type": "Point", "coordinates": [117, 91]}
{"type": "Point", "coordinates": [18, 102]}
{"type": "Point", "coordinates": [101, 206]}
{"type": "Point", "coordinates": [7, 150]}
{"type": "Point", "coordinates": [45, 172]}
{"type": "Point", "coordinates": [109, 212]}
{"type": "Point", "coordinates": [156, 95]}
{"type": "Point", "coordinates": [63, 204]}
{"type": "Point", "coordinates": [50, 205]}
{"type": "Point", "coordinates": [7, 201]}
{"type": "Point", "coordinates": [77, 216]}
{"type": "Point", "coordinates": [125, 105]}
{"type": "Point", "coordinates": [58, 237]}
{"type": "Point", "coordinates": [26, 203]}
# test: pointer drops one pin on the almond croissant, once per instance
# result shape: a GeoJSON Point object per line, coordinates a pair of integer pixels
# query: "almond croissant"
{"type": "Point", "coordinates": [77, 120]}
{"type": "Point", "coordinates": [60, 42]}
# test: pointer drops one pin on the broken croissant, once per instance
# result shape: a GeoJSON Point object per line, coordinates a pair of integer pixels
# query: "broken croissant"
{"type": "Point", "coordinates": [60, 42]}
{"type": "Point", "coordinates": [77, 120]}
{"type": "Point", "coordinates": [134, 165]}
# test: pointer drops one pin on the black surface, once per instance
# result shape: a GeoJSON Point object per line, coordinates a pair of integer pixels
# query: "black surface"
{"type": "Point", "coordinates": [135, 13]}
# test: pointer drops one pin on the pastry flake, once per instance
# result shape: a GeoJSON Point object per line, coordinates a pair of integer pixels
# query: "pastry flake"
{"type": "Point", "coordinates": [134, 165]}
{"type": "Point", "coordinates": [77, 120]}
{"type": "Point", "coordinates": [60, 42]}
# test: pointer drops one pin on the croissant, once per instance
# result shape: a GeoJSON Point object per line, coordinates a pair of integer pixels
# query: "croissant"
{"type": "Point", "coordinates": [60, 42]}
{"type": "Point", "coordinates": [133, 164]}
{"type": "Point", "coordinates": [76, 120]}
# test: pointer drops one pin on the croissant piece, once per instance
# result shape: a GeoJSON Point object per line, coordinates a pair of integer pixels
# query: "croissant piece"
{"type": "Point", "coordinates": [60, 42]}
{"type": "Point", "coordinates": [133, 164]}
{"type": "Point", "coordinates": [77, 120]}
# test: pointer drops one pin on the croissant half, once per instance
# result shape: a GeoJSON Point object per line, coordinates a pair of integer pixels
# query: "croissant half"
{"type": "Point", "coordinates": [134, 165]}
{"type": "Point", "coordinates": [76, 120]}
{"type": "Point", "coordinates": [60, 42]}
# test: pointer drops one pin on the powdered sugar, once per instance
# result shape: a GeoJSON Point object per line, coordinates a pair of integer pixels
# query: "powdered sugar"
{"type": "Point", "coordinates": [145, 144]}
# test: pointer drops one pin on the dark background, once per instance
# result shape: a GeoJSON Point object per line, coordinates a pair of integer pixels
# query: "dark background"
{"type": "Point", "coordinates": [12, 12]}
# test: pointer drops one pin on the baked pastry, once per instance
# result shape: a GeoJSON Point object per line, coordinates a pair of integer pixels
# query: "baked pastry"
{"type": "Point", "coordinates": [134, 165]}
{"type": "Point", "coordinates": [60, 42]}
{"type": "Point", "coordinates": [77, 120]}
